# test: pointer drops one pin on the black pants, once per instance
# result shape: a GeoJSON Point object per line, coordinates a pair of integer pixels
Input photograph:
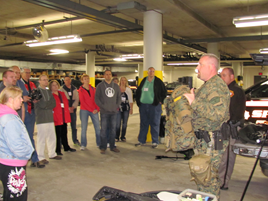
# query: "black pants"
{"type": "Point", "coordinates": [61, 135]}
{"type": "Point", "coordinates": [14, 183]}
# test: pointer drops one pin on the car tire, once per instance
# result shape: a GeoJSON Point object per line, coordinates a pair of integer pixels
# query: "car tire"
{"type": "Point", "coordinates": [264, 166]}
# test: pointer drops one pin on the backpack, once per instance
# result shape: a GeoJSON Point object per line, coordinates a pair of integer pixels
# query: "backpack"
{"type": "Point", "coordinates": [179, 134]}
{"type": "Point", "coordinates": [124, 102]}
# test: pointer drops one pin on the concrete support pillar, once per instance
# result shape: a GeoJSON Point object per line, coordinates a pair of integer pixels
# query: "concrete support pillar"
{"type": "Point", "coordinates": [90, 67]}
{"type": "Point", "coordinates": [214, 49]}
{"type": "Point", "coordinates": [152, 46]}
{"type": "Point", "coordinates": [153, 42]}
{"type": "Point", "coordinates": [238, 68]}
{"type": "Point", "coordinates": [140, 69]}
{"type": "Point", "coordinates": [238, 71]}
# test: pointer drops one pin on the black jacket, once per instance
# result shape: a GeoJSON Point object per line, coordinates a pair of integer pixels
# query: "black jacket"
{"type": "Point", "coordinates": [160, 91]}
{"type": "Point", "coordinates": [238, 102]}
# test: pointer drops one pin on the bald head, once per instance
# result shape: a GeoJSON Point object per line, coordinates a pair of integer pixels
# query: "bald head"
{"type": "Point", "coordinates": [207, 67]}
{"type": "Point", "coordinates": [16, 70]}
{"type": "Point", "coordinates": [227, 75]}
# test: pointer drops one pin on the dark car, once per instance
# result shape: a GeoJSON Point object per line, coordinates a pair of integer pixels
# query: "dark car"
{"type": "Point", "coordinates": [171, 86]}
{"type": "Point", "coordinates": [257, 102]}
{"type": "Point", "coordinates": [257, 113]}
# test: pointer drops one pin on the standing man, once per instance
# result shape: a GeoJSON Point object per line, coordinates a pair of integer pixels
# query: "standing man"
{"type": "Point", "coordinates": [9, 79]}
{"type": "Point", "coordinates": [73, 98]}
{"type": "Point", "coordinates": [108, 98]}
{"type": "Point", "coordinates": [150, 96]}
{"type": "Point", "coordinates": [237, 110]}
{"type": "Point", "coordinates": [210, 106]}
{"type": "Point", "coordinates": [20, 84]}
{"type": "Point", "coordinates": [45, 122]}
{"type": "Point", "coordinates": [29, 112]}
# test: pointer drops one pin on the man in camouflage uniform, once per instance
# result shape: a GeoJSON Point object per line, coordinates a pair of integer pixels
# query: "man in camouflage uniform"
{"type": "Point", "coordinates": [210, 104]}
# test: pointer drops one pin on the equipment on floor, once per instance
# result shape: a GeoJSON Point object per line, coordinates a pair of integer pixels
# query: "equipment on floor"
{"type": "Point", "coordinates": [112, 194]}
{"type": "Point", "coordinates": [187, 155]}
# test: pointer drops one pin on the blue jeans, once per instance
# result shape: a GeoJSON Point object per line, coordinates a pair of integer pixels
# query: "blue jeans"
{"type": "Point", "coordinates": [107, 121]}
{"type": "Point", "coordinates": [29, 122]}
{"type": "Point", "coordinates": [73, 126]}
{"type": "Point", "coordinates": [121, 117]}
{"type": "Point", "coordinates": [84, 123]}
{"type": "Point", "coordinates": [149, 115]}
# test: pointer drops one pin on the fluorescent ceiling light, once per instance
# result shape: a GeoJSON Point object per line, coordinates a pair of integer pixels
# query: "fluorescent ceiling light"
{"type": "Point", "coordinates": [58, 51]}
{"type": "Point", "coordinates": [119, 59]}
{"type": "Point", "coordinates": [264, 51]}
{"type": "Point", "coordinates": [131, 43]}
{"type": "Point", "coordinates": [182, 64]}
{"type": "Point", "coordinates": [251, 21]}
{"type": "Point", "coordinates": [132, 56]}
{"type": "Point", "coordinates": [54, 40]}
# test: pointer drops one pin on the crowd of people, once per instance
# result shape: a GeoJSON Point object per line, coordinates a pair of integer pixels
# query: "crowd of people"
{"type": "Point", "coordinates": [51, 107]}
{"type": "Point", "coordinates": [55, 106]}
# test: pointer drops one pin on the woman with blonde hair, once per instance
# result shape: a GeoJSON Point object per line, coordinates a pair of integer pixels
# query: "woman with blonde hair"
{"type": "Point", "coordinates": [125, 109]}
{"type": "Point", "coordinates": [15, 146]}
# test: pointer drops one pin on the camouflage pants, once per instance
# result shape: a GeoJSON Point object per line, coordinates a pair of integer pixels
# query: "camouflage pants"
{"type": "Point", "coordinates": [216, 155]}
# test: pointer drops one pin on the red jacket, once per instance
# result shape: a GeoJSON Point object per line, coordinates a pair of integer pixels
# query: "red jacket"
{"type": "Point", "coordinates": [57, 111]}
{"type": "Point", "coordinates": [87, 102]}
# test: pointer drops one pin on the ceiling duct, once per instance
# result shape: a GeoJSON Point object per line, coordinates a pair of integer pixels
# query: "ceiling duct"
{"type": "Point", "coordinates": [260, 59]}
{"type": "Point", "coordinates": [130, 6]}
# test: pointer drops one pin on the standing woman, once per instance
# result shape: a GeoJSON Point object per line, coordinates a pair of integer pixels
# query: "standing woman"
{"type": "Point", "coordinates": [15, 146]}
{"type": "Point", "coordinates": [88, 107]}
{"type": "Point", "coordinates": [61, 115]}
{"type": "Point", "coordinates": [125, 109]}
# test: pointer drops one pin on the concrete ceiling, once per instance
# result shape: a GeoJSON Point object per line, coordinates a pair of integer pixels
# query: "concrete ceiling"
{"type": "Point", "coordinates": [188, 25]}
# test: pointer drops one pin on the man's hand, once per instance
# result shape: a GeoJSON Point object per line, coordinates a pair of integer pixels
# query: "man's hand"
{"type": "Point", "coordinates": [71, 109]}
{"type": "Point", "coordinates": [190, 97]}
{"type": "Point", "coordinates": [131, 111]}
{"type": "Point", "coordinates": [26, 99]}
{"type": "Point", "coordinates": [95, 111]}
{"type": "Point", "coordinates": [35, 101]}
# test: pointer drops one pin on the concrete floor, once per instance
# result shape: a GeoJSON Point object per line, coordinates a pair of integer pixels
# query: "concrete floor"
{"type": "Point", "coordinates": [79, 175]}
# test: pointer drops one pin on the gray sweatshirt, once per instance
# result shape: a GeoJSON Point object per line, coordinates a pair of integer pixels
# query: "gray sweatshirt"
{"type": "Point", "coordinates": [108, 97]}
{"type": "Point", "coordinates": [44, 107]}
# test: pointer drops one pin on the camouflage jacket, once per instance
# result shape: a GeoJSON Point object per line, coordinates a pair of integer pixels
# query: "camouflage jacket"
{"type": "Point", "coordinates": [211, 105]}
{"type": "Point", "coordinates": [178, 129]}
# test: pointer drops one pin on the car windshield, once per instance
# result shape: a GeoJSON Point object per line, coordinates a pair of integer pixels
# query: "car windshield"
{"type": "Point", "coordinates": [261, 91]}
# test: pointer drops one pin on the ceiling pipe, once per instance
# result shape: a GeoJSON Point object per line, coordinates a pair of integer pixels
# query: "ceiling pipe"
{"type": "Point", "coordinates": [66, 19]}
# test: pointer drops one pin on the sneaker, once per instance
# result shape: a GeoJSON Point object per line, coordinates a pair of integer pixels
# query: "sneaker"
{"type": "Point", "coordinates": [102, 151]}
{"type": "Point", "coordinates": [71, 150]}
{"type": "Point", "coordinates": [115, 150]}
{"type": "Point", "coordinates": [37, 164]}
{"type": "Point", "coordinates": [154, 145]}
{"type": "Point", "coordinates": [56, 157]}
{"type": "Point", "coordinates": [139, 144]}
{"type": "Point", "coordinates": [77, 143]}
{"type": "Point", "coordinates": [82, 148]}
{"type": "Point", "coordinates": [44, 161]}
